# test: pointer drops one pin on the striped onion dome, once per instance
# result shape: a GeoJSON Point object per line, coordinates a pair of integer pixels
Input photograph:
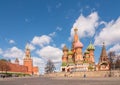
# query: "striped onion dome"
{"type": "Point", "coordinates": [90, 47]}
{"type": "Point", "coordinates": [70, 52]}
{"type": "Point", "coordinates": [65, 48]}
{"type": "Point", "coordinates": [78, 44]}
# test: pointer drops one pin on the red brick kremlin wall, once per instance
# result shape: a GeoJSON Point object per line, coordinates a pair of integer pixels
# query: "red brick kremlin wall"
{"type": "Point", "coordinates": [21, 69]}
{"type": "Point", "coordinates": [17, 68]}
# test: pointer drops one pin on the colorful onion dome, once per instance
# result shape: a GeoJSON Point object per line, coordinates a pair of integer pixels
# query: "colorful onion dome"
{"type": "Point", "coordinates": [70, 52]}
{"type": "Point", "coordinates": [90, 47]}
{"type": "Point", "coordinates": [78, 44]}
{"type": "Point", "coordinates": [65, 48]}
{"type": "Point", "coordinates": [86, 52]}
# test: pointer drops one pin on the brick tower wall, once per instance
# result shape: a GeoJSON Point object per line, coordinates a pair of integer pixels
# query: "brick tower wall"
{"type": "Point", "coordinates": [29, 64]}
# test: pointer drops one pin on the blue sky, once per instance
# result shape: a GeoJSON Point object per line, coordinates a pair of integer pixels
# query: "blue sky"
{"type": "Point", "coordinates": [48, 24]}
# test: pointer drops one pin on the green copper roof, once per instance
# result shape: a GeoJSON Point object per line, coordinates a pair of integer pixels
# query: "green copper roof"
{"type": "Point", "coordinates": [70, 52]}
{"type": "Point", "coordinates": [64, 64]}
{"type": "Point", "coordinates": [91, 47]}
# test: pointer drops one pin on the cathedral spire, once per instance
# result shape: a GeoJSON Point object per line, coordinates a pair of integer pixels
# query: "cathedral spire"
{"type": "Point", "coordinates": [75, 30]}
{"type": "Point", "coordinates": [103, 56]}
{"type": "Point", "coordinates": [76, 35]}
{"type": "Point", "coordinates": [104, 61]}
{"type": "Point", "coordinates": [103, 52]}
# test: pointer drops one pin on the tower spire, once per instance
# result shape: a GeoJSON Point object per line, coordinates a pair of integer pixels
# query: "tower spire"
{"type": "Point", "coordinates": [76, 35]}
{"type": "Point", "coordinates": [103, 56]}
{"type": "Point", "coordinates": [27, 51]}
{"type": "Point", "coordinates": [103, 52]}
{"type": "Point", "coordinates": [27, 46]}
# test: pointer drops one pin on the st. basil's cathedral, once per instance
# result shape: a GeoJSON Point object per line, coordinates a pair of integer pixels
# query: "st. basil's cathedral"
{"type": "Point", "coordinates": [75, 60]}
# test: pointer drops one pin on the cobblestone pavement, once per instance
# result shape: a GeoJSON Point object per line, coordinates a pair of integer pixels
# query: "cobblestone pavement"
{"type": "Point", "coordinates": [59, 81]}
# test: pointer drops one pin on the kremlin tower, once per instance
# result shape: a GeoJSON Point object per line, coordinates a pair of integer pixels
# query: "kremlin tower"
{"type": "Point", "coordinates": [28, 62]}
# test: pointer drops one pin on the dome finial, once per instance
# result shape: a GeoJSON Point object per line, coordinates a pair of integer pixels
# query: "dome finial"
{"type": "Point", "coordinates": [75, 30]}
{"type": "Point", "coordinates": [103, 43]}
{"type": "Point", "coordinates": [90, 41]}
{"type": "Point", "coordinates": [27, 46]}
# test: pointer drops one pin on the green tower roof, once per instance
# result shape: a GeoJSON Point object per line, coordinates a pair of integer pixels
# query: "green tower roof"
{"type": "Point", "coordinates": [70, 52]}
{"type": "Point", "coordinates": [91, 47]}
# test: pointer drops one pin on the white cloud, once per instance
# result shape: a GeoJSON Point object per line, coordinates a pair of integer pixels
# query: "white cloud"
{"type": "Point", "coordinates": [49, 8]}
{"type": "Point", "coordinates": [52, 34]}
{"type": "Point", "coordinates": [50, 52]}
{"type": "Point", "coordinates": [110, 34]}
{"type": "Point", "coordinates": [1, 51]}
{"type": "Point", "coordinates": [58, 5]}
{"type": "Point", "coordinates": [11, 41]}
{"type": "Point", "coordinates": [87, 7]}
{"type": "Point", "coordinates": [26, 20]}
{"type": "Point", "coordinates": [31, 46]}
{"type": "Point", "coordinates": [115, 48]}
{"type": "Point", "coordinates": [20, 61]}
{"type": "Point", "coordinates": [41, 40]}
{"type": "Point", "coordinates": [86, 25]}
{"type": "Point", "coordinates": [38, 61]}
{"type": "Point", "coordinates": [62, 45]}
{"type": "Point", "coordinates": [59, 28]}
{"type": "Point", "coordinates": [13, 52]}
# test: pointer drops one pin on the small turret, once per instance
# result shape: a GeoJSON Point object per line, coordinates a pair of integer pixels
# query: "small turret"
{"type": "Point", "coordinates": [16, 61]}
{"type": "Point", "coordinates": [90, 47]}
{"type": "Point", "coordinates": [65, 48]}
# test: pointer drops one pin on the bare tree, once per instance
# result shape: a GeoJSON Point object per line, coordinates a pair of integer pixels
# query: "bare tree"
{"type": "Point", "coordinates": [50, 67]}
{"type": "Point", "coordinates": [118, 63]}
{"type": "Point", "coordinates": [112, 60]}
